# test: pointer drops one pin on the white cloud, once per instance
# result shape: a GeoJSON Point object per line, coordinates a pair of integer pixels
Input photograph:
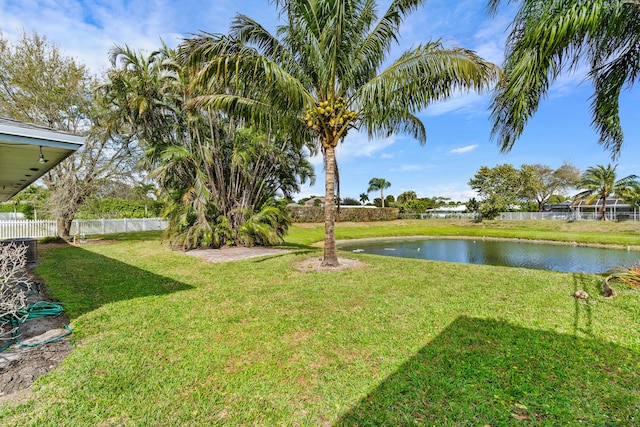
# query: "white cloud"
{"type": "Point", "coordinates": [471, 102]}
{"type": "Point", "coordinates": [463, 150]}
{"type": "Point", "coordinates": [407, 168]}
{"type": "Point", "coordinates": [358, 145]}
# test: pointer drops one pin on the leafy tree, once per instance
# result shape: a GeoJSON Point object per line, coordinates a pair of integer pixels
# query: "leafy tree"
{"type": "Point", "coordinates": [473, 205]}
{"type": "Point", "coordinates": [500, 187]}
{"type": "Point", "coordinates": [31, 201]}
{"type": "Point", "coordinates": [219, 178]}
{"type": "Point", "coordinates": [552, 36]}
{"type": "Point", "coordinates": [39, 85]}
{"type": "Point", "coordinates": [600, 182]}
{"type": "Point", "coordinates": [406, 196]}
{"type": "Point", "coordinates": [379, 184]}
{"type": "Point", "coordinates": [350, 201]}
{"type": "Point", "coordinates": [390, 200]}
{"type": "Point", "coordinates": [321, 76]}
{"type": "Point", "coordinates": [545, 181]}
{"type": "Point", "coordinates": [414, 205]}
{"type": "Point", "coordinates": [364, 197]}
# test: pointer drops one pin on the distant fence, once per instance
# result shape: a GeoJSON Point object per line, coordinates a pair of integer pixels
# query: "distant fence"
{"type": "Point", "coordinates": [48, 228]}
{"type": "Point", "coordinates": [568, 216]}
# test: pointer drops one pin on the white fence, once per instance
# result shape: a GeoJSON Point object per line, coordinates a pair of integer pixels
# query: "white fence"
{"type": "Point", "coordinates": [568, 216]}
{"type": "Point", "coordinates": [26, 228]}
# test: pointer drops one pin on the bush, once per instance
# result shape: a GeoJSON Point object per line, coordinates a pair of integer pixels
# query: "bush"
{"type": "Point", "coordinates": [14, 289]}
{"type": "Point", "coordinates": [316, 214]}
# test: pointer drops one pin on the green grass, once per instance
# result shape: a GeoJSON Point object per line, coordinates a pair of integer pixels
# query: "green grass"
{"type": "Point", "coordinates": [165, 339]}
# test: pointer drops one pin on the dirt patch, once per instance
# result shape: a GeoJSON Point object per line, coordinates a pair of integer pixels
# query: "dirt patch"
{"type": "Point", "coordinates": [235, 253]}
{"type": "Point", "coordinates": [315, 264]}
{"type": "Point", "coordinates": [80, 243]}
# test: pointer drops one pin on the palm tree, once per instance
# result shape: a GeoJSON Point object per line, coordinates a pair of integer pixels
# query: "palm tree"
{"type": "Point", "coordinates": [631, 194]}
{"type": "Point", "coordinates": [379, 184]}
{"type": "Point", "coordinates": [322, 72]}
{"type": "Point", "coordinates": [599, 182]}
{"type": "Point", "coordinates": [549, 36]}
{"type": "Point", "coordinates": [364, 197]}
{"type": "Point", "coordinates": [219, 178]}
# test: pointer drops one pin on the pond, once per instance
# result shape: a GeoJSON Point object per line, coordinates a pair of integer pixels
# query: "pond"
{"type": "Point", "coordinates": [565, 258]}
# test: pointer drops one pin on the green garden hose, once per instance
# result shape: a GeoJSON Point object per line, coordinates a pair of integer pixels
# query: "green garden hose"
{"type": "Point", "coordinates": [34, 311]}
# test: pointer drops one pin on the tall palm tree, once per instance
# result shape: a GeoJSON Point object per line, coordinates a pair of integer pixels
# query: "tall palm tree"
{"type": "Point", "coordinates": [379, 184]}
{"type": "Point", "coordinates": [599, 182]}
{"type": "Point", "coordinates": [548, 37]}
{"type": "Point", "coordinates": [323, 72]}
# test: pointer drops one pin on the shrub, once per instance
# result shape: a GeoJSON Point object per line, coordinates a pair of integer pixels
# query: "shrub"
{"type": "Point", "coordinates": [14, 289]}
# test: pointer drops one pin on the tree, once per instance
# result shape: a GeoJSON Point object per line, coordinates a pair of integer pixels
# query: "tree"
{"type": "Point", "coordinates": [631, 194]}
{"type": "Point", "coordinates": [364, 197]}
{"type": "Point", "coordinates": [350, 201]}
{"type": "Point", "coordinates": [323, 71]}
{"type": "Point", "coordinates": [501, 187]}
{"type": "Point", "coordinates": [15, 288]}
{"type": "Point", "coordinates": [378, 184]}
{"type": "Point", "coordinates": [39, 85]}
{"type": "Point", "coordinates": [220, 179]}
{"type": "Point", "coordinates": [473, 206]}
{"type": "Point", "coordinates": [549, 37]}
{"type": "Point", "coordinates": [599, 182]}
{"type": "Point", "coordinates": [545, 181]}
{"type": "Point", "coordinates": [406, 196]}
{"type": "Point", "coordinates": [32, 200]}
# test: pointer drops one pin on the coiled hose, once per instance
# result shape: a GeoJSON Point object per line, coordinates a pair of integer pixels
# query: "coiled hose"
{"type": "Point", "coordinates": [30, 312]}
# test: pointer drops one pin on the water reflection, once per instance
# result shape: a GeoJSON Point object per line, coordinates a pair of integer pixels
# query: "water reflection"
{"type": "Point", "coordinates": [566, 258]}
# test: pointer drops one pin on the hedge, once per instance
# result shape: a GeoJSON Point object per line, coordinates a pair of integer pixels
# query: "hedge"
{"type": "Point", "coordinates": [316, 214]}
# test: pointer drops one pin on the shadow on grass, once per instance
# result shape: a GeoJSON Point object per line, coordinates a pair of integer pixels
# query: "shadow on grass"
{"type": "Point", "coordinates": [84, 281]}
{"type": "Point", "coordinates": [487, 372]}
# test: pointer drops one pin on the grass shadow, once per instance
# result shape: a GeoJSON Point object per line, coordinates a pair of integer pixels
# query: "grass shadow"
{"type": "Point", "coordinates": [84, 281]}
{"type": "Point", "coordinates": [488, 372]}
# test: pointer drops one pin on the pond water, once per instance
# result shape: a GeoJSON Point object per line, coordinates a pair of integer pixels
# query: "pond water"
{"type": "Point", "coordinates": [565, 258]}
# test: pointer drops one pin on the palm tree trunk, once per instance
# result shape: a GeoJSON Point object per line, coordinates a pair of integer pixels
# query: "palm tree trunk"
{"type": "Point", "coordinates": [330, 258]}
{"type": "Point", "coordinates": [382, 196]}
{"type": "Point", "coordinates": [603, 210]}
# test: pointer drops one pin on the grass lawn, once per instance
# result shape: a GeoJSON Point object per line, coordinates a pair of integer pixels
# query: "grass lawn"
{"type": "Point", "coordinates": [164, 339]}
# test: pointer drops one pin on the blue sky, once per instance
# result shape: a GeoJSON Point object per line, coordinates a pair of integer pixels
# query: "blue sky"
{"type": "Point", "coordinates": [458, 130]}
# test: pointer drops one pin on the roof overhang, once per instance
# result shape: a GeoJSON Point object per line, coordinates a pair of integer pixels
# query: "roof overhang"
{"type": "Point", "coordinates": [20, 147]}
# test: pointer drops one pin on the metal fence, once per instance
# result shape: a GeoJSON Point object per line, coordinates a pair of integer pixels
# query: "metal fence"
{"type": "Point", "coordinates": [569, 216]}
{"type": "Point", "coordinates": [15, 229]}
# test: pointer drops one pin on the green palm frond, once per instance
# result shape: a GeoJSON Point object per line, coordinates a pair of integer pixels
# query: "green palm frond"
{"type": "Point", "coordinates": [549, 37]}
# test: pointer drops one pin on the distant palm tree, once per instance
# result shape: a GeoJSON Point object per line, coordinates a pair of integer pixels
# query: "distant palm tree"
{"type": "Point", "coordinates": [379, 184]}
{"type": "Point", "coordinates": [321, 75]}
{"type": "Point", "coordinates": [599, 182]}
{"type": "Point", "coordinates": [548, 37]}
{"type": "Point", "coordinates": [364, 197]}
{"type": "Point", "coordinates": [631, 194]}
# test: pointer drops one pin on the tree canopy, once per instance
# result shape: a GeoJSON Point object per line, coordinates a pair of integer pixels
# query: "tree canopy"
{"type": "Point", "coordinates": [40, 85]}
{"type": "Point", "coordinates": [550, 37]}
{"type": "Point", "coordinates": [379, 184]}
{"type": "Point", "coordinates": [220, 178]}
